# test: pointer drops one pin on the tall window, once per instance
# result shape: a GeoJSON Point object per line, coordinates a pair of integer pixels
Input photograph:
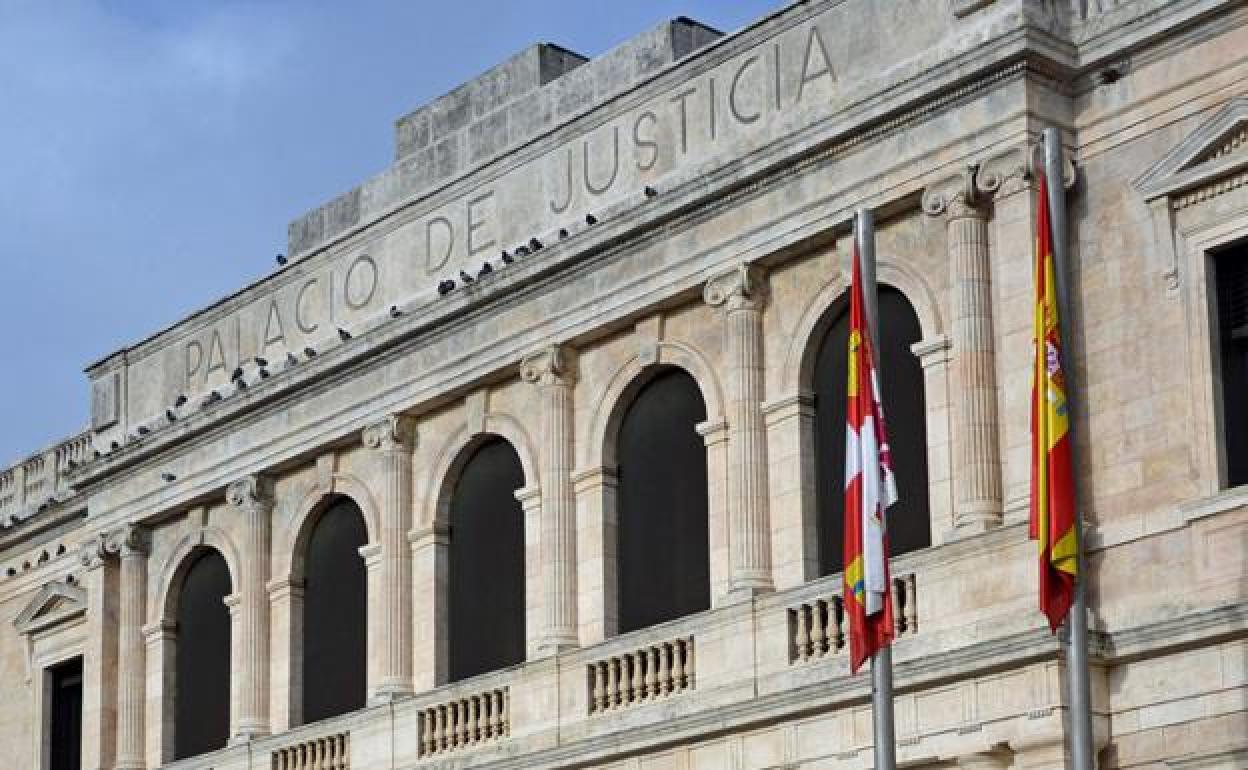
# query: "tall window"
{"type": "Point", "coordinates": [1231, 278]}
{"type": "Point", "coordinates": [909, 527]}
{"type": "Point", "coordinates": [663, 538]}
{"type": "Point", "coordinates": [202, 695]}
{"type": "Point", "coordinates": [486, 563]}
{"type": "Point", "coordinates": [335, 614]}
{"type": "Point", "coordinates": [64, 728]}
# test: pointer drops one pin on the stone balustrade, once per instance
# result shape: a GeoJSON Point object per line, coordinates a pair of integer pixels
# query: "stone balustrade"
{"type": "Point", "coordinates": [818, 627]}
{"type": "Point", "coordinates": [650, 673]}
{"type": "Point", "coordinates": [330, 752]}
{"type": "Point", "coordinates": [465, 722]}
{"type": "Point", "coordinates": [33, 482]}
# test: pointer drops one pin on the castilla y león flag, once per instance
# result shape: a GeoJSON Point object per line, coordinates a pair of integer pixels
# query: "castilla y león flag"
{"type": "Point", "coordinates": [869, 490]}
{"type": "Point", "coordinates": [1052, 484]}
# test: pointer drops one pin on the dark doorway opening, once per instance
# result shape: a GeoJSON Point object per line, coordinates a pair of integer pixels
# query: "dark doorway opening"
{"type": "Point", "coordinates": [65, 716]}
{"type": "Point", "coordinates": [1231, 278]}
{"type": "Point", "coordinates": [202, 696]}
{"type": "Point", "coordinates": [663, 539]}
{"type": "Point", "coordinates": [335, 614]}
{"type": "Point", "coordinates": [909, 525]}
{"type": "Point", "coordinates": [486, 563]}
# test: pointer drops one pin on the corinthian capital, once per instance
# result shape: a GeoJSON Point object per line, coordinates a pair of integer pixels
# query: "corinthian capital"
{"type": "Point", "coordinates": [741, 286]}
{"type": "Point", "coordinates": [250, 492]}
{"type": "Point", "coordinates": [394, 431]}
{"type": "Point", "coordinates": [129, 540]}
{"type": "Point", "coordinates": [552, 365]}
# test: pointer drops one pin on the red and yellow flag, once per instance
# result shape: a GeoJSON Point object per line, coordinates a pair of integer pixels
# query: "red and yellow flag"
{"type": "Point", "coordinates": [1052, 483]}
{"type": "Point", "coordinates": [870, 489]}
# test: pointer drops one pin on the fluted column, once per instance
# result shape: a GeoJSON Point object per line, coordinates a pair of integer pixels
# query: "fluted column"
{"type": "Point", "coordinates": [252, 497]}
{"type": "Point", "coordinates": [99, 661]}
{"type": "Point", "coordinates": [977, 457]}
{"type": "Point", "coordinates": [552, 372]}
{"type": "Point", "coordinates": [393, 439]}
{"type": "Point", "coordinates": [740, 295]}
{"type": "Point", "coordinates": [131, 544]}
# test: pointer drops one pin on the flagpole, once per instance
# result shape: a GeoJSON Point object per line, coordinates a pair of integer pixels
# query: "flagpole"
{"type": "Point", "coordinates": [882, 661]}
{"type": "Point", "coordinates": [1081, 747]}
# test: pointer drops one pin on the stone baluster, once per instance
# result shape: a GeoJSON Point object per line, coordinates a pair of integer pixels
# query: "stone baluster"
{"type": "Point", "coordinates": [131, 544]}
{"type": "Point", "coordinates": [740, 293]}
{"type": "Point", "coordinates": [977, 459]}
{"type": "Point", "coordinates": [393, 439]}
{"type": "Point", "coordinates": [253, 498]}
{"type": "Point", "coordinates": [552, 371]}
{"type": "Point", "coordinates": [801, 637]}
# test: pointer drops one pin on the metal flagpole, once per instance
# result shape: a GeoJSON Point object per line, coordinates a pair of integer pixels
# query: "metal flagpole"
{"type": "Point", "coordinates": [1082, 754]}
{"type": "Point", "coordinates": [882, 661]}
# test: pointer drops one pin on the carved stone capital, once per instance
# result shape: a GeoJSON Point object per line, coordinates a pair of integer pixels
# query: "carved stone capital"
{"type": "Point", "coordinates": [94, 551]}
{"type": "Point", "coordinates": [958, 196]}
{"type": "Point", "coordinates": [129, 540]}
{"type": "Point", "coordinates": [392, 432]}
{"type": "Point", "coordinates": [250, 492]}
{"type": "Point", "coordinates": [553, 365]}
{"type": "Point", "coordinates": [742, 286]}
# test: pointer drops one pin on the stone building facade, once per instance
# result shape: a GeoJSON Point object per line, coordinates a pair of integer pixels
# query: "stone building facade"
{"type": "Point", "coordinates": [388, 508]}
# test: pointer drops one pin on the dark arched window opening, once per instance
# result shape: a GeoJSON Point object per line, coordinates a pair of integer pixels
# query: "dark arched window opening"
{"type": "Point", "coordinates": [335, 614]}
{"type": "Point", "coordinates": [486, 563]}
{"type": "Point", "coordinates": [663, 538]}
{"type": "Point", "coordinates": [202, 695]}
{"type": "Point", "coordinates": [909, 527]}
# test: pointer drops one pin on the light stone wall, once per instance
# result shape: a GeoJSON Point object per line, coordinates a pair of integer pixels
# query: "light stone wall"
{"type": "Point", "coordinates": [728, 271]}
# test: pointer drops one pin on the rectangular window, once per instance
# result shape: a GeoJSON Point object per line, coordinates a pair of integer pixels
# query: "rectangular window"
{"type": "Point", "coordinates": [64, 728]}
{"type": "Point", "coordinates": [1231, 276]}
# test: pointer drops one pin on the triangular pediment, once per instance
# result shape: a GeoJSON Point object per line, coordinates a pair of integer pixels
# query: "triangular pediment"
{"type": "Point", "coordinates": [55, 603]}
{"type": "Point", "coordinates": [1216, 150]}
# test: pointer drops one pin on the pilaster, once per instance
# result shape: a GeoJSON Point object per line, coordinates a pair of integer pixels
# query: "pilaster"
{"type": "Point", "coordinates": [252, 497]}
{"type": "Point", "coordinates": [131, 544]}
{"type": "Point", "coordinates": [99, 663]}
{"type": "Point", "coordinates": [741, 294]}
{"type": "Point", "coordinates": [393, 438]}
{"type": "Point", "coordinates": [552, 371]}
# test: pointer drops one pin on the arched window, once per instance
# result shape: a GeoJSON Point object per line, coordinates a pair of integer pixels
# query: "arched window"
{"type": "Point", "coordinates": [335, 613]}
{"type": "Point", "coordinates": [909, 527]}
{"type": "Point", "coordinates": [663, 538]}
{"type": "Point", "coordinates": [202, 694]}
{"type": "Point", "coordinates": [486, 563]}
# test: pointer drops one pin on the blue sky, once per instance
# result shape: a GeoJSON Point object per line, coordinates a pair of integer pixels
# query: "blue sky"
{"type": "Point", "coordinates": [152, 153]}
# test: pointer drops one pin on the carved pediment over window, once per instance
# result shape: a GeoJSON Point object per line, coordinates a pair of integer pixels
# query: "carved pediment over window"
{"type": "Point", "coordinates": [56, 603]}
{"type": "Point", "coordinates": [1211, 161]}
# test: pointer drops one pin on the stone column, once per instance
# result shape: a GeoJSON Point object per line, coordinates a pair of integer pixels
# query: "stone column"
{"type": "Point", "coordinates": [740, 295]}
{"type": "Point", "coordinates": [252, 497]}
{"type": "Point", "coordinates": [552, 371]}
{"type": "Point", "coordinates": [393, 439]}
{"type": "Point", "coordinates": [977, 456]}
{"type": "Point", "coordinates": [160, 640]}
{"type": "Point", "coordinates": [131, 544]}
{"type": "Point", "coordinates": [99, 660]}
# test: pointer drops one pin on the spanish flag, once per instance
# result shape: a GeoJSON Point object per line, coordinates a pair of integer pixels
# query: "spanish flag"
{"type": "Point", "coordinates": [870, 489]}
{"type": "Point", "coordinates": [1052, 483]}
